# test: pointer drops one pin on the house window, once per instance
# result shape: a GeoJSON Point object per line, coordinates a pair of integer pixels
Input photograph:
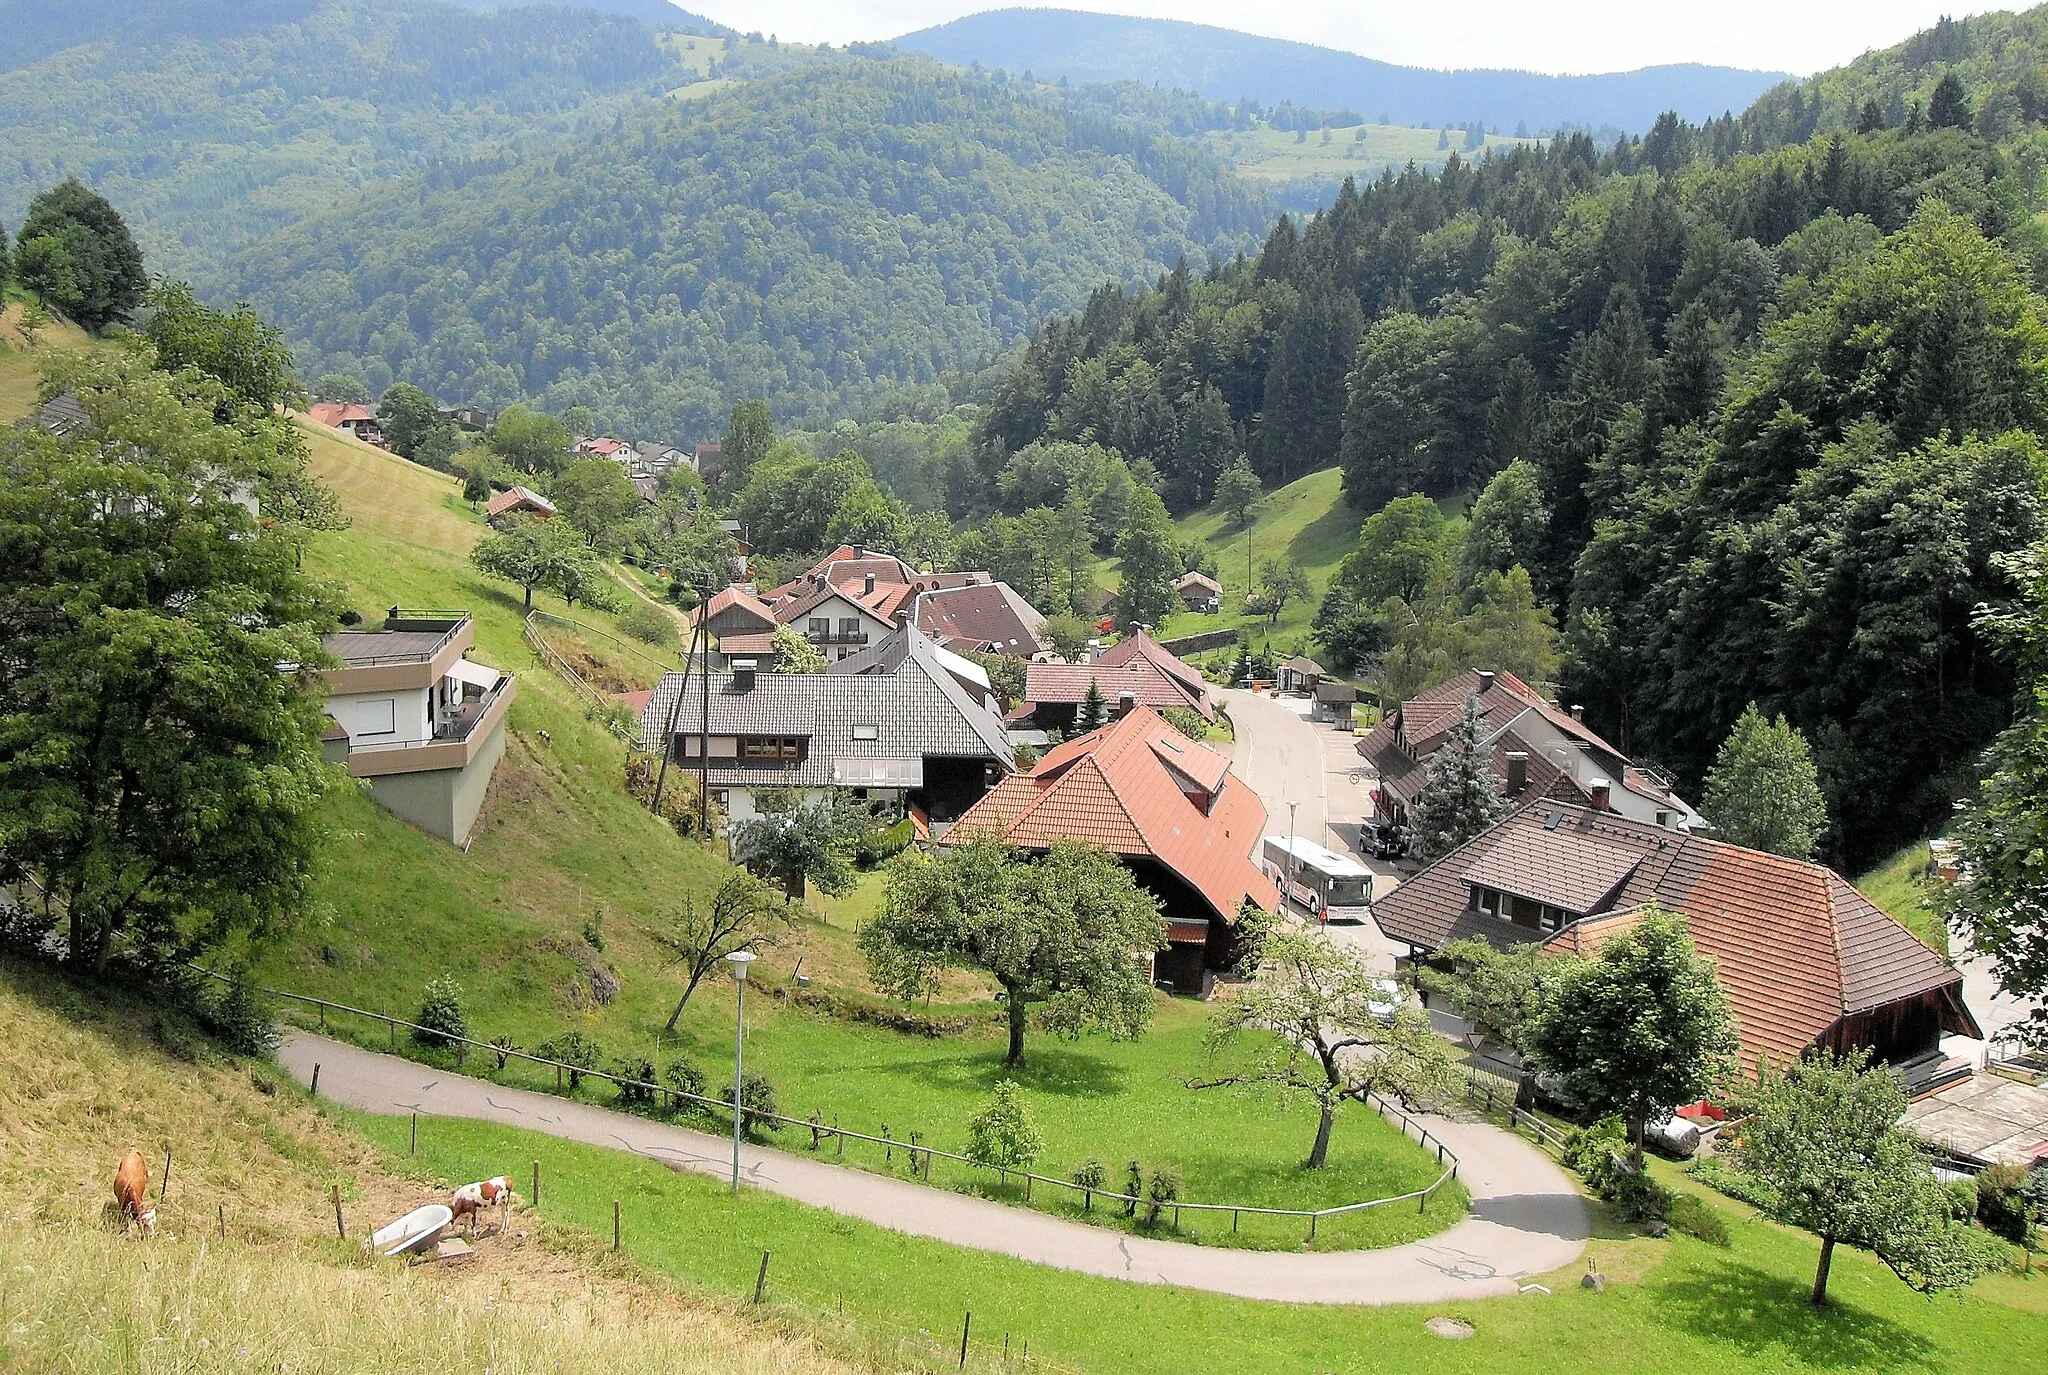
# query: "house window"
{"type": "Point", "coordinates": [771, 747]}
{"type": "Point", "coordinates": [849, 626]}
{"type": "Point", "coordinates": [377, 718]}
{"type": "Point", "coordinates": [818, 627]}
{"type": "Point", "coordinates": [867, 732]}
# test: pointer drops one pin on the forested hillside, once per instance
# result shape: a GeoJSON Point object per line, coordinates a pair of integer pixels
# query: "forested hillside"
{"type": "Point", "coordinates": [1779, 403]}
{"type": "Point", "coordinates": [211, 121]}
{"type": "Point", "coordinates": [811, 237]}
{"type": "Point", "coordinates": [1224, 65]}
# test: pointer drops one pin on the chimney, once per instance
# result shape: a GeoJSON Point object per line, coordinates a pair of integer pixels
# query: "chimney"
{"type": "Point", "coordinates": [1125, 701]}
{"type": "Point", "coordinates": [743, 674]}
{"type": "Point", "coordinates": [1578, 712]}
{"type": "Point", "coordinates": [1518, 771]}
{"type": "Point", "coordinates": [868, 585]}
{"type": "Point", "coordinates": [1486, 677]}
{"type": "Point", "coordinates": [1603, 794]}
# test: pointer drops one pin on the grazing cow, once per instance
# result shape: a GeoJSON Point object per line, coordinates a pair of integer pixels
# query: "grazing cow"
{"type": "Point", "coordinates": [472, 1199]}
{"type": "Point", "coordinates": [131, 1191]}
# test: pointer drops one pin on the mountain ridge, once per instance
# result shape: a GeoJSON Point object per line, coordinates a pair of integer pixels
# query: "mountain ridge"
{"type": "Point", "coordinates": [1223, 64]}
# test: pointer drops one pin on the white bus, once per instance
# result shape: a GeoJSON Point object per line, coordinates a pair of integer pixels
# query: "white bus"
{"type": "Point", "coordinates": [1319, 881]}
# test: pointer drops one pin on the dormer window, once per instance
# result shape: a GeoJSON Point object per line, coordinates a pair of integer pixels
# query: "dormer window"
{"type": "Point", "coordinates": [1519, 911]}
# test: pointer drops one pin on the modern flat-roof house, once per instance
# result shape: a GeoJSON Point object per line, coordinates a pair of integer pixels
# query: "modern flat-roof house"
{"type": "Point", "coordinates": [1535, 743]}
{"type": "Point", "coordinates": [1170, 809]}
{"type": "Point", "coordinates": [893, 726]}
{"type": "Point", "coordinates": [1136, 671]}
{"type": "Point", "coordinates": [1806, 959]}
{"type": "Point", "coordinates": [416, 719]}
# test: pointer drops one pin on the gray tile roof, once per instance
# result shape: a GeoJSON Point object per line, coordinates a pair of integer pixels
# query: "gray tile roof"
{"type": "Point", "coordinates": [918, 710]}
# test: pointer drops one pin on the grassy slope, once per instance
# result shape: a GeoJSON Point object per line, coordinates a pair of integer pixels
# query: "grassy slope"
{"type": "Point", "coordinates": [1895, 885]}
{"type": "Point", "coordinates": [1678, 1306]}
{"type": "Point", "coordinates": [1306, 520]}
{"type": "Point", "coordinates": [1274, 155]}
{"type": "Point", "coordinates": [17, 360]}
{"type": "Point", "coordinates": [560, 841]}
{"type": "Point", "coordinates": [244, 1273]}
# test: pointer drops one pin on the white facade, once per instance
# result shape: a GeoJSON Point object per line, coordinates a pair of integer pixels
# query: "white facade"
{"type": "Point", "coordinates": [1543, 734]}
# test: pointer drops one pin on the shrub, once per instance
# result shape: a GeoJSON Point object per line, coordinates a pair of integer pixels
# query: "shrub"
{"type": "Point", "coordinates": [1695, 1217]}
{"type": "Point", "coordinates": [1585, 1147]}
{"type": "Point", "coordinates": [237, 1018]}
{"type": "Point", "coordinates": [884, 844]}
{"type": "Point", "coordinates": [1962, 1199]}
{"type": "Point", "coordinates": [1618, 1177]}
{"type": "Point", "coordinates": [1089, 1179]}
{"type": "Point", "coordinates": [504, 1046]}
{"type": "Point", "coordinates": [440, 1018]}
{"type": "Point", "coordinates": [2002, 1202]}
{"type": "Point", "coordinates": [685, 1078]}
{"type": "Point", "coordinates": [648, 624]}
{"type": "Point", "coordinates": [757, 1104]}
{"type": "Point", "coordinates": [641, 1073]}
{"type": "Point", "coordinates": [1134, 1186]}
{"type": "Point", "coordinates": [574, 1049]}
{"type": "Point", "coordinates": [679, 795]}
{"type": "Point", "coordinates": [1002, 1135]}
{"type": "Point", "coordinates": [1161, 1191]}
{"type": "Point", "coordinates": [1187, 721]}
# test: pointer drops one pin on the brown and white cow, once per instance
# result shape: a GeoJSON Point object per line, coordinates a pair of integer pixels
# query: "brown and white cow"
{"type": "Point", "coordinates": [471, 1200]}
{"type": "Point", "coordinates": [131, 1191]}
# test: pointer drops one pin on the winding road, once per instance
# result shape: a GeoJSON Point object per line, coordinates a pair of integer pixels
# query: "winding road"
{"type": "Point", "coordinates": [1526, 1217]}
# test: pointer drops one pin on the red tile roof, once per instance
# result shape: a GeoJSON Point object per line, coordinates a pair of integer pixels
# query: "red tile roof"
{"type": "Point", "coordinates": [736, 598]}
{"type": "Point", "coordinates": [981, 614]}
{"type": "Point", "coordinates": [335, 414]}
{"type": "Point", "coordinates": [519, 499]}
{"type": "Point", "coordinates": [1149, 684]}
{"type": "Point", "coordinates": [1116, 788]}
{"type": "Point", "coordinates": [1142, 646]}
{"type": "Point", "coordinates": [1797, 948]}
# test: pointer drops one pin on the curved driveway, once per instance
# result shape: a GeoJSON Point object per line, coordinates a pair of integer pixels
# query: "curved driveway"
{"type": "Point", "coordinates": [1526, 1218]}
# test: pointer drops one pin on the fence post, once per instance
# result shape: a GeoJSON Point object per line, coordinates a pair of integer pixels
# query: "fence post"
{"type": "Point", "coordinates": [223, 1214]}
{"type": "Point", "coordinates": [1312, 1225]}
{"type": "Point", "coordinates": [394, 1031]}
{"type": "Point", "coordinates": [615, 1224]}
{"type": "Point", "coordinates": [339, 1230]}
{"type": "Point", "coordinates": [536, 1184]}
{"type": "Point", "coordinates": [966, 1324]}
{"type": "Point", "coordinates": [415, 1148]}
{"type": "Point", "coordinates": [761, 1280]}
{"type": "Point", "coordinates": [1233, 1222]}
{"type": "Point", "coordinates": [163, 1185]}
{"type": "Point", "coordinates": [313, 1091]}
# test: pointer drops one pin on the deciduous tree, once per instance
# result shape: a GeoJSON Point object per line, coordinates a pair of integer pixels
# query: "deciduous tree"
{"type": "Point", "coordinates": [1062, 930]}
{"type": "Point", "coordinates": [1821, 1135]}
{"type": "Point", "coordinates": [545, 555]}
{"type": "Point", "coordinates": [76, 254]}
{"type": "Point", "coordinates": [796, 840]}
{"type": "Point", "coordinates": [697, 936]}
{"type": "Point", "coordinates": [1640, 1029]}
{"type": "Point", "coordinates": [793, 653]}
{"type": "Point", "coordinates": [1764, 791]}
{"type": "Point", "coordinates": [159, 721]}
{"type": "Point", "coordinates": [1332, 1031]}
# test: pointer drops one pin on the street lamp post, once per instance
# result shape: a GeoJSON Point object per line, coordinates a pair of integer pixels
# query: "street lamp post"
{"type": "Point", "coordinates": [1293, 864]}
{"type": "Point", "coordinates": [739, 960]}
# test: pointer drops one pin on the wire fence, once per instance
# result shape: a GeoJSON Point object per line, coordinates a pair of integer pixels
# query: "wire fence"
{"type": "Point", "coordinates": [911, 1156]}
{"type": "Point", "coordinates": [1499, 1099]}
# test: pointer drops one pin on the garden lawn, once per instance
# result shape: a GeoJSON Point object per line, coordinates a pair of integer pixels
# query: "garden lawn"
{"type": "Point", "coordinates": [1673, 1307]}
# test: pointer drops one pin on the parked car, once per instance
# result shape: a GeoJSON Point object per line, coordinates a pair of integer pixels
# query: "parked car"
{"type": "Point", "coordinates": [1386, 999]}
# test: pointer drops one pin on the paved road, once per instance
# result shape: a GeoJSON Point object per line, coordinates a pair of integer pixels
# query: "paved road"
{"type": "Point", "coordinates": [1526, 1217]}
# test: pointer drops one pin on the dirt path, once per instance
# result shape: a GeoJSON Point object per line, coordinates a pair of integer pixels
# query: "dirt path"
{"type": "Point", "coordinates": [1526, 1218]}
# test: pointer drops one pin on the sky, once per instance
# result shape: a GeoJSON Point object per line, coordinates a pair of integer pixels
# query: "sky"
{"type": "Point", "coordinates": [1575, 36]}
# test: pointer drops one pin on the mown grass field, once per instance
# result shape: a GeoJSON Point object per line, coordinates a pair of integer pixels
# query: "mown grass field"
{"type": "Point", "coordinates": [1278, 155]}
{"type": "Point", "coordinates": [1672, 1307]}
{"type": "Point", "coordinates": [245, 1273]}
{"type": "Point", "coordinates": [1898, 887]}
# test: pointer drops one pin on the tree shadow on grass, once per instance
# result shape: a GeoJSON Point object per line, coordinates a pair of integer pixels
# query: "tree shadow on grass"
{"type": "Point", "coordinates": [1047, 1069]}
{"type": "Point", "coordinates": [1328, 537]}
{"type": "Point", "coordinates": [1766, 1315]}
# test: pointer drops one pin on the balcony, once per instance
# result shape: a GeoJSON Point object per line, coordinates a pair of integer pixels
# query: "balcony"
{"type": "Point", "coordinates": [836, 637]}
{"type": "Point", "coordinates": [455, 743]}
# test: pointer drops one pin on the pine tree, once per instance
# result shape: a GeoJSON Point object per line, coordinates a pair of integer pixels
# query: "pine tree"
{"type": "Point", "coordinates": [1459, 799]}
{"type": "Point", "coordinates": [1094, 712]}
{"type": "Point", "coordinates": [1305, 383]}
{"type": "Point", "coordinates": [1949, 107]}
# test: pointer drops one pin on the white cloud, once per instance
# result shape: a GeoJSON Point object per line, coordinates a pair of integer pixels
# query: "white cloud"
{"type": "Point", "coordinates": [1798, 36]}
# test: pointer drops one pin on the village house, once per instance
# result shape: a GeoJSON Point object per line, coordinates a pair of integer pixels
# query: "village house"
{"type": "Point", "coordinates": [517, 501]}
{"type": "Point", "coordinates": [980, 618]}
{"type": "Point", "coordinates": [1200, 592]}
{"type": "Point", "coordinates": [1806, 960]}
{"type": "Point", "coordinates": [1301, 674]}
{"type": "Point", "coordinates": [358, 420]}
{"type": "Point", "coordinates": [604, 446]}
{"type": "Point", "coordinates": [418, 721]}
{"type": "Point", "coordinates": [1170, 809]}
{"type": "Point", "coordinates": [473, 419]}
{"type": "Point", "coordinates": [1136, 671]}
{"type": "Point", "coordinates": [895, 727]}
{"type": "Point", "coordinates": [1534, 744]}
{"type": "Point", "coordinates": [709, 461]}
